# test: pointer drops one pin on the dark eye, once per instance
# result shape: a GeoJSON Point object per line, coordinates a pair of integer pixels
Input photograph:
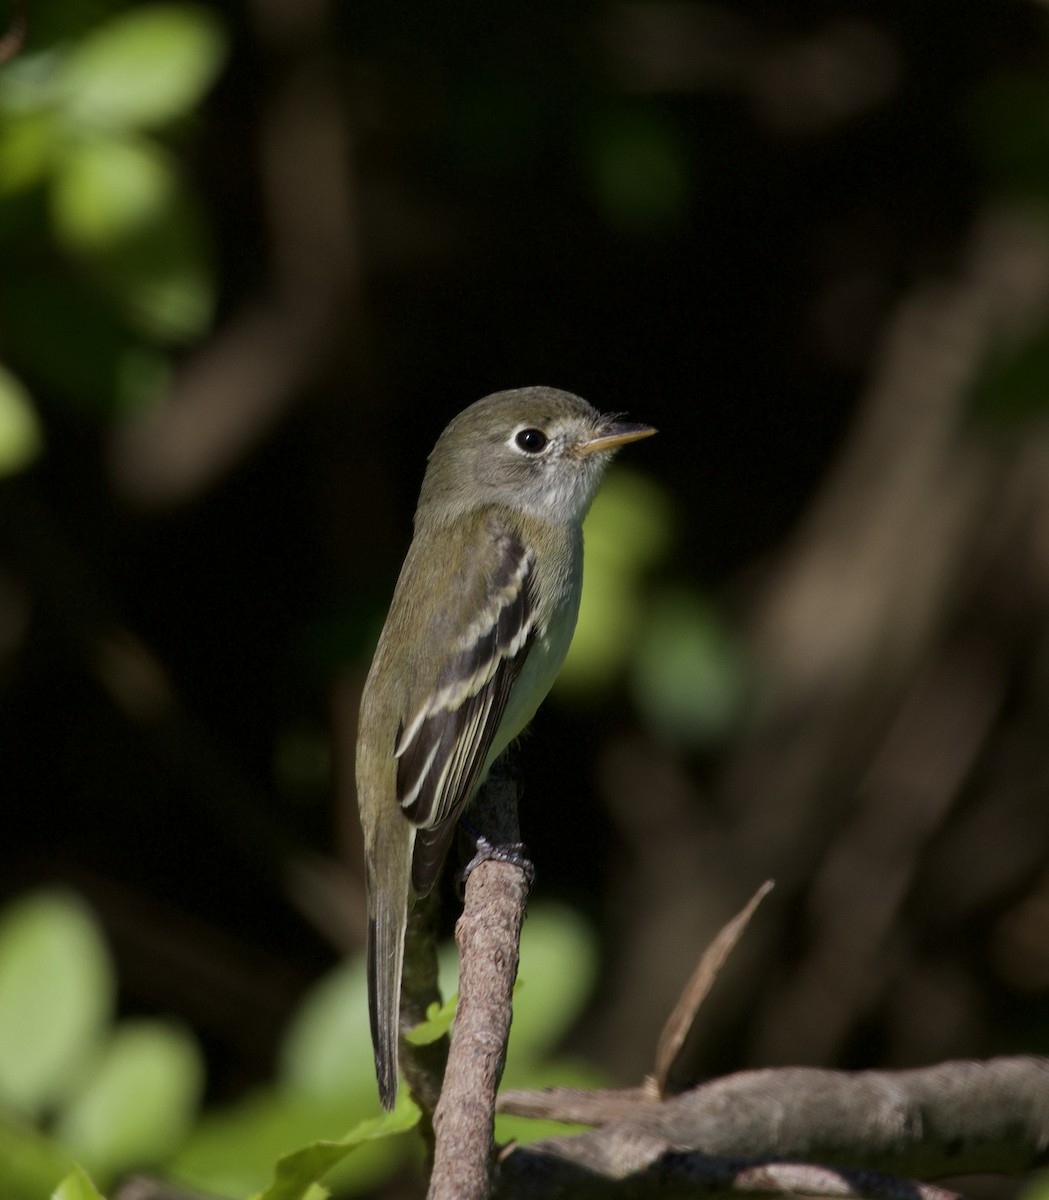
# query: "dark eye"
{"type": "Point", "coordinates": [531, 440]}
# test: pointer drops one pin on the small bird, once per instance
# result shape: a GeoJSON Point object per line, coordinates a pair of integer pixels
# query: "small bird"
{"type": "Point", "coordinates": [479, 625]}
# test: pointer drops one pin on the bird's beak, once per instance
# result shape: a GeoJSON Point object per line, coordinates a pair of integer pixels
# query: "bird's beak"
{"type": "Point", "coordinates": [613, 434]}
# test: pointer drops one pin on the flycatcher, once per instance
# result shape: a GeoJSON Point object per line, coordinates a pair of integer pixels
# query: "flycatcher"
{"type": "Point", "coordinates": [480, 622]}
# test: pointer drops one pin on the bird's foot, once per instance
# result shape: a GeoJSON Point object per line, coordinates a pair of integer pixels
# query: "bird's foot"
{"type": "Point", "coordinates": [514, 853]}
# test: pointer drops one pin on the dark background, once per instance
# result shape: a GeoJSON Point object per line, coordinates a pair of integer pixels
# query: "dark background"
{"type": "Point", "coordinates": [810, 243]}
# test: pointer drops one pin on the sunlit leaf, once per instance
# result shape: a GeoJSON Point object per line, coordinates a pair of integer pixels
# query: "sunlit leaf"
{"type": "Point", "coordinates": [27, 150]}
{"type": "Point", "coordinates": [689, 678]}
{"type": "Point", "coordinates": [327, 1048]}
{"type": "Point", "coordinates": [120, 206]}
{"type": "Point", "coordinates": [29, 83]}
{"type": "Point", "coordinates": [56, 994]}
{"type": "Point", "coordinates": [631, 523]}
{"type": "Point", "coordinates": [232, 1152]}
{"type": "Point", "coordinates": [140, 1101]}
{"type": "Point", "coordinates": [439, 1018]}
{"type": "Point", "coordinates": [30, 1163]}
{"type": "Point", "coordinates": [296, 1174]}
{"type": "Point", "coordinates": [77, 1185]}
{"type": "Point", "coordinates": [144, 67]}
{"type": "Point", "coordinates": [629, 530]}
{"type": "Point", "coordinates": [163, 277]}
{"type": "Point", "coordinates": [21, 435]}
{"type": "Point", "coordinates": [107, 188]}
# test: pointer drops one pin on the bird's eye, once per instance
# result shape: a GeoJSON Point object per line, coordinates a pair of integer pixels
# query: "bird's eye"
{"type": "Point", "coordinates": [531, 440]}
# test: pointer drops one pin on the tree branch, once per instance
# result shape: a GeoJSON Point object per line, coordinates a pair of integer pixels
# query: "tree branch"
{"type": "Point", "coordinates": [955, 1118]}
{"type": "Point", "coordinates": [488, 935]}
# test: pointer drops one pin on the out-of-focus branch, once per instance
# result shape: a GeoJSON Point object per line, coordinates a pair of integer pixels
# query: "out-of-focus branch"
{"type": "Point", "coordinates": [238, 386]}
{"type": "Point", "coordinates": [13, 38]}
{"type": "Point", "coordinates": [952, 1119]}
{"type": "Point", "coordinates": [803, 85]}
{"type": "Point", "coordinates": [862, 676]}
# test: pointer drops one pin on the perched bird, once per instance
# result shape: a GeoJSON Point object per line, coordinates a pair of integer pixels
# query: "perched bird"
{"type": "Point", "coordinates": [480, 622]}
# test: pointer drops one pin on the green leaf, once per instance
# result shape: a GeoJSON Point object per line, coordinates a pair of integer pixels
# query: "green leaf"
{"type": "Point", "coordinates": [327, 1050]}
{"type": "Point", "coordinates": [77, 1185]}
{"type": "Point", "coordinates": [296, 1174]}
{"type": "Point", "coordinates": [120, 206]}
{"type": "Point", "coordinates": [439, 1018]}
{"type": "Point", "coordinates": [29, 83]}
{"type": "Point", "coordinates": [232, 1151]}
{"type": "Point", "coordinates": [27, 150]}
{"type": "Point", "coordinates": [628, 531]}
{"type": "Point", "coordinates": [108, 188]}
{"type": "Point", "coordinates": [56, 994]}
{"type": "Point", "coordinates": [140, 1102]}
{"type": "Point", "coordinates": [21, 436]}
{"type": "Point", "coordinates": [144, 68]}
{"type": "Point", "coordinates": [689, 676]}
{"type": "Point", "coordinates": [30, 1163]}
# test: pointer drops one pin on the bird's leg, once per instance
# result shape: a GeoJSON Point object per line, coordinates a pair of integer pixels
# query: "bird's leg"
{"type": "Point", "coordinates": [514, 853]}
{"type": "Point", "coordinates": [496, 806]}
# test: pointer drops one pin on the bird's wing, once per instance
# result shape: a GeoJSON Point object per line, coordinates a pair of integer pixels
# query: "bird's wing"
{"type": "Point", "coordinates": [442, 749]}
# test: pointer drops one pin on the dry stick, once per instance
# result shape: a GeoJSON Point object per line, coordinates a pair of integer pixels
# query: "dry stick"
{"type": "Point", "coordinates": [488, 935]}
{"type": "Point", "coordinates": [683, 1017]}
{"type": "Point", "coordinates": [956, 1118]}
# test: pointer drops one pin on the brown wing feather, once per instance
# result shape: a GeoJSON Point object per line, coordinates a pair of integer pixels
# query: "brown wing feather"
{"type": "Point", "coordinates": [440, 760]}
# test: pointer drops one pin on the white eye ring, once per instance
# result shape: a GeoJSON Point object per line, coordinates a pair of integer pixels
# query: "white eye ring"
{"type": "Point", "coordinates": [530, 440]}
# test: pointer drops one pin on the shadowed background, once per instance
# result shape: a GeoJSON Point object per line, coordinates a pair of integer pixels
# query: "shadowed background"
{"type": "Point", "coordinates": [254, 258]}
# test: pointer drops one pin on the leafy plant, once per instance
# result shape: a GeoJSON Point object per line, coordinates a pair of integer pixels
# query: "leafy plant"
{"type": "Point", "coordinates": [88, 1098]}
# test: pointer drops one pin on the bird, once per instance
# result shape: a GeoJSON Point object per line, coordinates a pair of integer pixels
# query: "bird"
{"type": "Point", "coordinates": [480, 621]}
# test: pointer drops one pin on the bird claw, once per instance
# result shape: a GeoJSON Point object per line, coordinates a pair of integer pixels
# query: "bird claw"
{"type": "Point", "coordinates": [514, 853]}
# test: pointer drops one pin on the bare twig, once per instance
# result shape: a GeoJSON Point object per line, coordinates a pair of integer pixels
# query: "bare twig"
{"type": "Point", "coordinates": [488, 935]}
{"type": "Point", "coordinates": [13, 38]}
{"type": "Point", "coordinates": [713, 959]}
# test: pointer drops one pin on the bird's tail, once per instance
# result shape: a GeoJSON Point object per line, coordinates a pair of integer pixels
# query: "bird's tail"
{"type": "Point", "coordinates": [387, 918]}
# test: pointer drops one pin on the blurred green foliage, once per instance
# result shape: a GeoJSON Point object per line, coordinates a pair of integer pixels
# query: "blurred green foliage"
{"type": "Point", "coordinates": [121, 1095]}
{"type": "Point", "coordinates": [77, 1185]}
{"type": "Point", "coordinates": [99, 226]}
{"type": "Point", "coordinates": [687, 674]}
{"type": "Point", "coordinates": [114, 1095]}
{"type": "Point", "coordinates": [627, 534]}
{"type": "Point", "coordinates": [21, 435]}
{"type": "Point", "coordinates": [1036, 1188]}
{"type": "Point", "coordinates": [57, 994]}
